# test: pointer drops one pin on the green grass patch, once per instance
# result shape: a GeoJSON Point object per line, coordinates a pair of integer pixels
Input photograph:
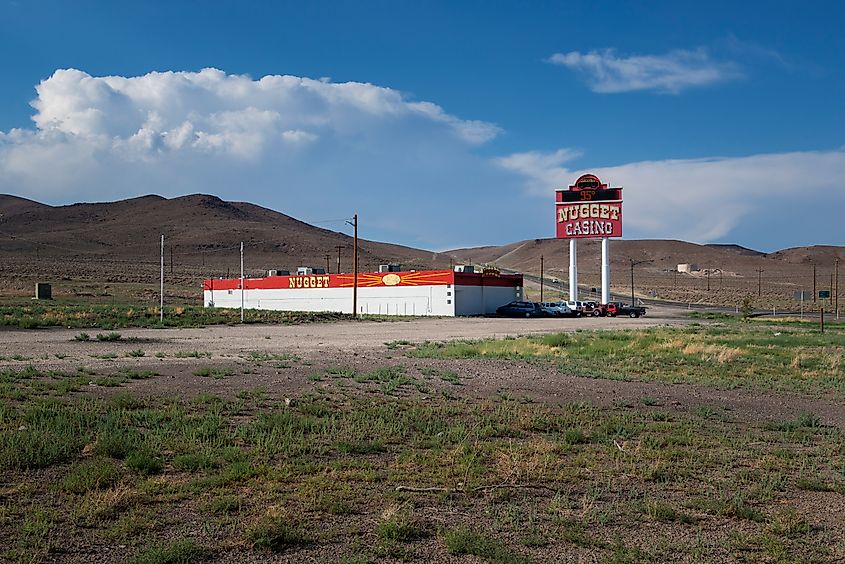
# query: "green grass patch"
{"type": "Point", "coordinates": [731, 355]}
{"type": "Point", "coordinates": [115, 316]}
{"type": "Point", "coordinates": [465, 541]}
{"type": "Point", "coordinates": [511, 478]}
{"type": "Point", "coordinates": [89, 475]}
{"type": "Point", "coordinates": [173, 552]}
{"type": "Point", "coordinates": [277, 533]}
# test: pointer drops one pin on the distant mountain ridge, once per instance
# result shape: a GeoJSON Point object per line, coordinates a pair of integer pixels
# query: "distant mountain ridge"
{"type": "Point", "coordinates": [204, 230]}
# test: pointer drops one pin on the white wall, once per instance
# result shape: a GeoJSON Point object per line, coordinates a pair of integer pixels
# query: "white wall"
{"type": "Point", "coordinates": [474, 300]}
{"type": "Point", "coordinates": [398, 300]}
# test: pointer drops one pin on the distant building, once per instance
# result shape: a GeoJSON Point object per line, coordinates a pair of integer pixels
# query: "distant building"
{"type": "Point", "coordinates": [688, 268]}
{"type": "Point", "coordinates": [421, 292]}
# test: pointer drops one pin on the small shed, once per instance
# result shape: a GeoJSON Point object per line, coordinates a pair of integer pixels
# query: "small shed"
{"type": "Point", "coordinates": [688, 267]}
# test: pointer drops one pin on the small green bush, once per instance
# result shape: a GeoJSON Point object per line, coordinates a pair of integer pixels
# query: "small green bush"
{"type": "Point", "coordinates": [108, 337]}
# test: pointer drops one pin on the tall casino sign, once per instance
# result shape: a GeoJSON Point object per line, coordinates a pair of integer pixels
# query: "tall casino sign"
{"type": "Point", "coordinates": [588, 210]}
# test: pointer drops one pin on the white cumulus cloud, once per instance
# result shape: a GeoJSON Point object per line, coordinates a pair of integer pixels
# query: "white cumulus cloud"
{"type": "Point", "coordinates": [677, 70]}
{"type": "Point", "coordinates": [309, 148]}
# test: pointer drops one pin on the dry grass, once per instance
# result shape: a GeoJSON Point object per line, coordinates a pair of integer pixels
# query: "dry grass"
{"type": "Point", "coordinates": [713, 353]}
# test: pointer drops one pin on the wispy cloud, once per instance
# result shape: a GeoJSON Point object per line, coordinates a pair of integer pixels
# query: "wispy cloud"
{"type": "Point", "coordinates": [678, 70]}
{"type": "Point", "coordinates": [767, 200]}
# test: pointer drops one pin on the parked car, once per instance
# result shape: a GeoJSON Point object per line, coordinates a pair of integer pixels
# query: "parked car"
{"type": "Point", "coordinates": [576, 307]}
{"type": "Point", "coordinates": [614, 309]}
{"type": "Point", "coordinates": [557, 309]}
{"type": "Point", "coordinates": [521, 309]}
{"type": "Point", "coordinates": [590, 308]}
{"type": "Point", "coordinates": [629, 310]}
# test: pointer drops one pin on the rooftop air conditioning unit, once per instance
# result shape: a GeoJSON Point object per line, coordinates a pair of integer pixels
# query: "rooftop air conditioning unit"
{"type": "Point", "coordinates": [278, 272]}
{"type": "Point", "coordinates": [304, 271]}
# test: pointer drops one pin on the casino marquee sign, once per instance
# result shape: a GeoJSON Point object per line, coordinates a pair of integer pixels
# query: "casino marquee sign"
{"type": "Point", "coordinates": [588, 210]}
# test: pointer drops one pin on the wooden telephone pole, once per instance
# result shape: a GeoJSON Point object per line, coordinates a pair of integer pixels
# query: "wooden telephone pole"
{"type": "Point", "coordinates": [338, 247]}
{"type": "Point", "coordinates": [541, 278]}
{"type": "Point", "coordinates": [354, 224]}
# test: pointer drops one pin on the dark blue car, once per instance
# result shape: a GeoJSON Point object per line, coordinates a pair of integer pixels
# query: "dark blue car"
{"type": "Point", "coordinates": [521, 309]}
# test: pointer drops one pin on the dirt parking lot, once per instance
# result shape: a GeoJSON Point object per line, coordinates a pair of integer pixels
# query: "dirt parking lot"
{"type": "Point", "coordinates": [343, 336]}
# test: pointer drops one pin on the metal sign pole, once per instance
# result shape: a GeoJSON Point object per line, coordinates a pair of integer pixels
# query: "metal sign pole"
{"type": "Point", "coordinates": [573, 270]}
{"type": "Point", "coordinates": [541, 278]}
{"type": "Point", "coordinates": [605, 270]}
{"type": "Point", "coordinates": [161, 303]}
{"type": "Point", "coordinates": [242, 281]}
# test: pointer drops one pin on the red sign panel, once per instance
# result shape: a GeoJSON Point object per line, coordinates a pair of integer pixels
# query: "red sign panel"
{"type": "Point", "coordinates": [583, 221]}
{"type": "Point", "coordinates": [365, 280]}
{"type": "Point", "coordinates": [589, 209]}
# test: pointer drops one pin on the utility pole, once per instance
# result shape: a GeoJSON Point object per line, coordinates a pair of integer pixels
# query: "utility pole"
{"type": "Point", "coordinates": [338, 247]}
{"type": "Point", "coordinates": [707, 273]}
{"type": "Point", "coordinates": [759, 282]}
{"type": "Point", "coordinates": [171, 259]}
{"type": "Point", "coordinates": [161, 303]}
{"type": "Point", "coordinates": [328, 271]}
{"type": "Point", "coordinates": [836, 288]}
{"type": "Point", "coordinates": [242, 281]}
{"type": "Point", "coordinates": [830, 299]}
{"type": "Point", "coordinates": [354, 224]}
{"type": "Point", "coordinates": [633, 264]}
{"type": "Point", "coordinates": [541, 278]}
{"type": "Point", "coordinates": [355, 269]}
{"type": "Point", "coordinates": [814, 282]}
{"type": "Point", "coordinates": [632, 282]}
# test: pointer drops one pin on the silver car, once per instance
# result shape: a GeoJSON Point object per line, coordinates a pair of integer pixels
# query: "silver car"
{"type": "Point", "coordinates": [556, 309]}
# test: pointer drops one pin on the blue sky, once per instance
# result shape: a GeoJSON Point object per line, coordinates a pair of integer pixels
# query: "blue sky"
{"type": "Point", "coordinates": [443, 124]}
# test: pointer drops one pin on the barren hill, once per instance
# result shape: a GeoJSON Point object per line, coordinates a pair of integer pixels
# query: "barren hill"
{"type": "Point", "coordinates": [200, 231]}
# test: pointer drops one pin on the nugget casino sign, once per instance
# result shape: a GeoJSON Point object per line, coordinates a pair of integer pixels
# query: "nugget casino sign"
{"type": "Point", "coordinates": [588, 209]}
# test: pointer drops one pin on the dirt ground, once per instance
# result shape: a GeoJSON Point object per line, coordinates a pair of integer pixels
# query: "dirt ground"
{"type": "Point", "coordinates": [176, 354]}
{"type": "Point", "coordinates": [291, 361]}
